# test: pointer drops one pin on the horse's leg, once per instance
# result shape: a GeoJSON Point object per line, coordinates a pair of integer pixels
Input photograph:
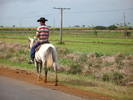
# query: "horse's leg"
{"type": "Point", "coordinates": [40, 70]}
{"type": "Point", "coordinates": [46, 71]}
{"type": "Point", "coordinates": [56, 78]}
{"type": "Point", "coordinates": [37, 69]}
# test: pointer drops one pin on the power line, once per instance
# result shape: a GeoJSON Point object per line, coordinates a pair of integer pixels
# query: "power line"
{"type": "Point", "coordinates": [99, 11]}
{"type": "Point", "coordinates": [68, 12]}
{"type": "Point", "coordinates": [102, 11]}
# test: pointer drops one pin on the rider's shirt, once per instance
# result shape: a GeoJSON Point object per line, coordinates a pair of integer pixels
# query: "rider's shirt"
{"type": "Point", "coordinates": [42, 33]}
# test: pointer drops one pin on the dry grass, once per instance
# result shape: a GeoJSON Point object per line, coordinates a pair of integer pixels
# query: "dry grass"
{"type": "Point", "coordinates": [13, 52]}
{"type": "Point", "coordinates": [117, 69]}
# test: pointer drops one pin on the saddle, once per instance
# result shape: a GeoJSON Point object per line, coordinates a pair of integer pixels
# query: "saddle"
{"type": "Point", "coordinates": [40, 46]}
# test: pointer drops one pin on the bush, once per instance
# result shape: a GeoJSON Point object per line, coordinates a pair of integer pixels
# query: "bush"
{"type": "Point", "coordinates": [100, 27]}
{"type": "Point", "coordinates": [75, 69]}
{"type": "Point", "coordinates": [98, 54]}
{"type": "Point", "coordinates": [112, 27]}
{"type": "Point", "coordinates": [130, 28]}
{"type": "Point", "coordinates": [105, 77]}
{"type": "Point", "coordinates": [117, 78]}
{"type": "Point", "coordinates": [114, 77]}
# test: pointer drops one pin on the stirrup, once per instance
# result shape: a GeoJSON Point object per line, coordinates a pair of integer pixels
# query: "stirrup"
{"type": "Point", "coordinates": [31, 62]}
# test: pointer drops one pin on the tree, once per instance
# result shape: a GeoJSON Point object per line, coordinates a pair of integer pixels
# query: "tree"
{"type": "Point", "coordinates": [13, 25]}
{"type": "Point", "coordinates": [126, 28]}
{"type": "Point", "coordinates": [112, 27]}
{"type": "Point", "coordinates": [83, 25]}
{"type": "Point", "coordinates": [100, 27]}
{"type": "Point", "coordinates": [76, 26]}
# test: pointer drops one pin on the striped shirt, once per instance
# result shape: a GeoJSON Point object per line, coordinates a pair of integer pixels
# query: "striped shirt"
{"type": "Point", "coordinates": [42, 33]}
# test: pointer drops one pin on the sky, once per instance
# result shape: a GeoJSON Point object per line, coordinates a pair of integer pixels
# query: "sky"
{"type": "Point", "coordinates": [25, 13]}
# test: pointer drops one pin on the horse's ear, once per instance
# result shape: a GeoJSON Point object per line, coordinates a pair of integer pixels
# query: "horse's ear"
{"type": "Point", "coordinates": [29, 38]}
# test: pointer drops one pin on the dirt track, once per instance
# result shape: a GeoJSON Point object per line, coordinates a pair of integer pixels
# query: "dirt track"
{"type": "Point", "coordinates": [30, 77]}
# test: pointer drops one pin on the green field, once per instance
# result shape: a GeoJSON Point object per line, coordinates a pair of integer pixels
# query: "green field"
{"type": "Point", "coordinates": [107, 42]}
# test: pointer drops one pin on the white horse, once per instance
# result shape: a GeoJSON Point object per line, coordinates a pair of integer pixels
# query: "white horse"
{"type": "Point", "coordinates": [45, 57]}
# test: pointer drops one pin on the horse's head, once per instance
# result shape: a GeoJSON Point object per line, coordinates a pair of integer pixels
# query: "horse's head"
{"type": "Point", "coordinates": [31, 42]}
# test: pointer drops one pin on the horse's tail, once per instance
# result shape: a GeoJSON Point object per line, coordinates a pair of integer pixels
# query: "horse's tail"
{"type": "Point", "coordinates": [49, 57]}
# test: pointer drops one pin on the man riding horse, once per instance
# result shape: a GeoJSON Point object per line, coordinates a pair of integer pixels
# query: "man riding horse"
{"type": "Point", "coordinates": [42, 34]}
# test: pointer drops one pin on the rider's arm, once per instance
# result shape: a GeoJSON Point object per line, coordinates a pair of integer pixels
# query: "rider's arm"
{"type": "Point", "coordinates": [37, 32]}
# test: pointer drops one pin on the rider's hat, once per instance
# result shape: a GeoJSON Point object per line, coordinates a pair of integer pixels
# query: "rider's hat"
{"type": "Point", "coordinates": [42, 19]}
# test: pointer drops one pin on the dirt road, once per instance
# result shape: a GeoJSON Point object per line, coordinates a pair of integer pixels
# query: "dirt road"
{"type": "Point", "coordinates": [18, 75]}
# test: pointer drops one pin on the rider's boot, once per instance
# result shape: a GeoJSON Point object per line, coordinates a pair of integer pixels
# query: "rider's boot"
{"type": "Point", "coordinates": [31, 61]}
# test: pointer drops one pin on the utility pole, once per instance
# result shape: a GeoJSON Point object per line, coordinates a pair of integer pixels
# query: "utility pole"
{"type": "Point", "coordinates": [20, 23]}
{"type": "Point", "coordinates": [61, 20]}
{"type": "Point", "coordinates": [124, 19]}
{"type": "Point", "coordinates": [54, 22]}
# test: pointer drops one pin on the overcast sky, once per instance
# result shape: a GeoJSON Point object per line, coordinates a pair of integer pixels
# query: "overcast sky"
{"type": "Point", "coordinates": [83, 12]}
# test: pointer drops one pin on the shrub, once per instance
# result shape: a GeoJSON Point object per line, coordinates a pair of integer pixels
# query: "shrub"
{"type": "Point", "coordinates": [117, 78]}
{"type": "Point", "coordinates": [57, 29]}
{"type": "Point", "coordinates": [112, 27]}
{"type": "Point", "coordinates": [99, 54]}
{"type": "Point", "coordinates": [75, 69]}
{"type": "Point", "coordinates": [105, 77]}
{"type": "Point", "coordinates": [100, 27]}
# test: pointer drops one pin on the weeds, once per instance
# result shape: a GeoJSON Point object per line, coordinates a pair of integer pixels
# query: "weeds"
{"type": "Point", "coordinates": [106, 68]}
{"type": "Point", "coordinates": [105, 77]}
{"type": "Point", "coordinates": [75, 69]}
{"type": "Point", "coordinates": [117, 69]}
{"type": "Point", "coordinates": [117, 78]}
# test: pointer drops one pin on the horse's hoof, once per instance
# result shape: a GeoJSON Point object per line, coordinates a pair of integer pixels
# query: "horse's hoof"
{"type": "Point", "coordinates": [39, 79]}
{"type": "Point", "coordinates": [56, 84]}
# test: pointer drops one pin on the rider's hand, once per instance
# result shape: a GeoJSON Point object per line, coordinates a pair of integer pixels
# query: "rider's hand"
{"type": "Point", "coordinates": [35, 37]}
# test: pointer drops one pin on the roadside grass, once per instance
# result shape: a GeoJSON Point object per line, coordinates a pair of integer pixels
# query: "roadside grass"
{"type": "Point", "coordinates": [17, 65]}
{"type": "Point", "coordinates": [92, 85]}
